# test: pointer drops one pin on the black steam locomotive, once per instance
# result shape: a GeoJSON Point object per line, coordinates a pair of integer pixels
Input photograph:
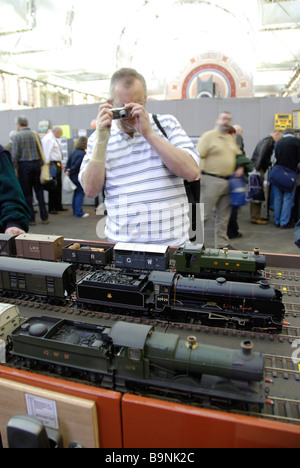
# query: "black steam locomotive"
{"type": "Point", "coordinates": [128, 356]}
{"type": "Point", "coordinates": [169, 296]}
{"type": "Point", "coordinates": [158, 294]}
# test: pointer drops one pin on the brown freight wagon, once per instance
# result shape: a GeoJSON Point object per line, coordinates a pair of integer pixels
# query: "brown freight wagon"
{"type": "Point", "coordinates": [39, 247]}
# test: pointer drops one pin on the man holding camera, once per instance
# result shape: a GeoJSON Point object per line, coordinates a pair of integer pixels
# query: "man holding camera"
{"type": "Point", "coordinates": [143, 170]}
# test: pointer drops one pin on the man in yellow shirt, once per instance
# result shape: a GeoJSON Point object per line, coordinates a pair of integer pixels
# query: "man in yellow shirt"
{"type": "Point", "coordinates": [218, 152]}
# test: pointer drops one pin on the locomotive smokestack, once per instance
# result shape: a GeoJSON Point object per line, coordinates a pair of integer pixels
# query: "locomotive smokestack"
{"type": "Point", "coordinates": [247, 347]}
{"type": "Point", "coordinates": [191, 342]}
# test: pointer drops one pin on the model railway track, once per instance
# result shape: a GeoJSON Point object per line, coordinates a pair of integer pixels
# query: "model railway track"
{"type": "Point", "coordinates": [288, 333]}
{"type": "Point", "coordinates": [284, 410]}
{"type": "Point", "coordinates": [281, 410]}
{"type": "Point", "coordinates": [289, 290]}
{"type": "Point", "coordinates": [292, 310]}
{"type": "Point", "coordinates": [289, 275]}
{"type": "Point", "coordinates": [282, 366]}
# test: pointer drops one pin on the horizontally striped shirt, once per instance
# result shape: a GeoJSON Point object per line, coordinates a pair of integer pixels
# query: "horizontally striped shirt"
{"type": "Point", "coordinates": [145, 202]}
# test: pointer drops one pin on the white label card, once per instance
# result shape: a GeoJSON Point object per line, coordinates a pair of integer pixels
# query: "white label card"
{"type": "Point", "coordinates": [42, 409]}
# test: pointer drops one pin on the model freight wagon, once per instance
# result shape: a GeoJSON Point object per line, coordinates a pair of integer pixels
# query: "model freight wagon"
{"type": "Point", "coordinates": [39, 247]}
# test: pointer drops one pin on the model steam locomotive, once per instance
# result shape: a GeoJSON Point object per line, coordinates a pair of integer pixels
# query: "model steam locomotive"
{"type": "Point", "coordinates": [158, 294]}
{"type": "Point", "coordinates": [191, 259]}
{"type": "Point", "coordinates": [207, 263]}
{"type": "Point", "coordinates": [169, 296]}
{"type": "Point", "coordinates": [131, 356]}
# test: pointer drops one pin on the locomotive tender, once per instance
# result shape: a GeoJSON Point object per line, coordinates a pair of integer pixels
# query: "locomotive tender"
{"type": "Point", "coordinates": [128, 356]}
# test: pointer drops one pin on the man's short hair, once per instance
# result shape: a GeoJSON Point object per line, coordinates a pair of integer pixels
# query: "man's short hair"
{"type": "Point", "coordinates": [22, 121]}
{"type": "Point", "coordinates": [127, 76]}
{"type": "Point", "coordinates": [289, 131]}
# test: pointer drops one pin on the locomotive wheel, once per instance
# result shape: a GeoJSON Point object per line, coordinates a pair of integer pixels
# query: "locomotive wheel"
{"type": "Point", "coordinates": [30, 363]}
{"type": "Point", "coordinates": [187, 380]}
{"type": "Point", "coordinates": [61, 370]}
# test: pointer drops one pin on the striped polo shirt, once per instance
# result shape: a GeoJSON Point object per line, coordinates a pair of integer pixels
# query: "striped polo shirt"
{"type": "Point", "coordinates": [145, 202]}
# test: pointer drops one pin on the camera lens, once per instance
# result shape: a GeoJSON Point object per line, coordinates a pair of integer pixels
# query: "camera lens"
{"type": "Point", "coordinates": [123, 114]}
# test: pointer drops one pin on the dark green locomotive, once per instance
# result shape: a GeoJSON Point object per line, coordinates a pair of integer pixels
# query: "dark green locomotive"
{"type": "Point", "coordinates": [211, 263]}
{"type": "Point", "coordinates": [129, 355]}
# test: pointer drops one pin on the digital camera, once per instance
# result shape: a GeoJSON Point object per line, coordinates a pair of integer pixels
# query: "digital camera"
{"type": "Point", "coordinates": [120, 113]}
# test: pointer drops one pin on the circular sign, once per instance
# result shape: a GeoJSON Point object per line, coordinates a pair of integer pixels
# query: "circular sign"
{"type": "Point", "coordinates": [225, 83]}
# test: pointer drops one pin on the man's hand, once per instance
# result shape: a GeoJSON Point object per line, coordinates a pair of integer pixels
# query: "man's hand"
{"type": "Point", "coordinates": [103, 124]}
{"type": "Point", "coordinates": [105, 116]}
{"type": "Point", "coordinates": [14, 231]}
{"type": "Point", "coordinates": [139, 119]}
{"type": "Point", "coordinates": [239, 172]}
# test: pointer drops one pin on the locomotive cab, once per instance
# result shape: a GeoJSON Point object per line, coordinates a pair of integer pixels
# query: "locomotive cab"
{"type": "Point", "coordinates": [129, 342]}
{"type": "Point", "coordinates": [162, 282]}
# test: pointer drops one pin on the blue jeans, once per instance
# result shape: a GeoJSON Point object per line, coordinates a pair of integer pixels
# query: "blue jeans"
{"type": "Point", "coordinates": [78, 198]}
{"type": "Point", "coordinates": [283, 204]}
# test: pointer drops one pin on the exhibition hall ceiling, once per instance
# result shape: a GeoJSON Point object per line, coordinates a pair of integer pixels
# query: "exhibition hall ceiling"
{"type": "Point", "coordinates": [84, 42]}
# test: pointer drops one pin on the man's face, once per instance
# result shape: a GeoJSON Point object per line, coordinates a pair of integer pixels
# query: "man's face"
{"type": "Point", "coordinates": [58, 133]}
{"type": "Point", "coordinates": [126, 95]}
{"type": "Point", "coordinates": [224, 122]}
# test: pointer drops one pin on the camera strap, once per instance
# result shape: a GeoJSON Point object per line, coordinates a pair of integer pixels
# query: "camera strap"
{"type": "Point", "coordinates": [155, 118]}
{"type": "Point", "coordinates": [192, 188]}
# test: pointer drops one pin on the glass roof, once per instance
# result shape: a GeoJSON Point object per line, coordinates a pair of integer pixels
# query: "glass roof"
{"type": "Point", "coordinates": [84, 42]}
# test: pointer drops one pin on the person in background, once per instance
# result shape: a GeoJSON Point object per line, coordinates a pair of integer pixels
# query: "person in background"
{"type": "Point", "coordinates": [261, 159]}
{"type": "Point", "coordinates": [14, 212]}
{"type": "Point", "coordinates": [142, 170]}
{"type": "Point", "coordinates": [11, 135]}
{"type": "Point", "coordinates": [53, 155]}
{"type": "Point", "coordinates": [27, 162]}
{"type": "Point", "coordinates": [287, 154]}
{"type": "Point", "coordinates": [72, 170]}
{"type": "Point", "coordinates": [239, 138]}
{"type": "Point", "coordinates": [218, 152]}
{"type": "Point", "coordinates": [241, 161]}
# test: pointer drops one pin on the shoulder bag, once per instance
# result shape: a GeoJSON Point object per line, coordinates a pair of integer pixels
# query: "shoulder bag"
{"type": "Point", "coordinates": [46, 180]}
{"type": "Point", "coordinates": [283, 178]}
{"type": "Point", "coordinates": [237, 191]}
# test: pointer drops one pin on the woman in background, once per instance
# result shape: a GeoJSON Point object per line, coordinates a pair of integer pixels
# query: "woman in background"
{"type": "Point", "coordinates": [72, 170]}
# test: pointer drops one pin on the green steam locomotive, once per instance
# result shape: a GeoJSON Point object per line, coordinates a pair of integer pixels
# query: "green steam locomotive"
{"type": "Point", "coordinates": [131, 356]}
